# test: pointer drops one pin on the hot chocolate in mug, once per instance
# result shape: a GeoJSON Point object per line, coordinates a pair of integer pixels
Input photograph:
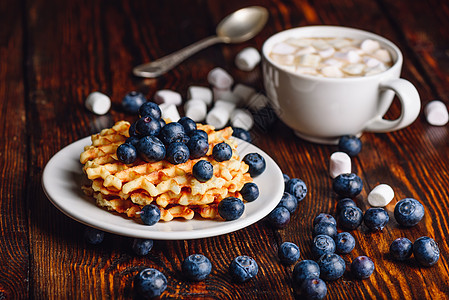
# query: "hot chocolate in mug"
{"type": "Point", "coordinates": [322, 109]}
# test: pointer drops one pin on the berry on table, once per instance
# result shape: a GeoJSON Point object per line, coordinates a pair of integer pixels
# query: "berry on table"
{"type": "Point", "coordinates": [362, 267]}
{"type": "Point", "coordinates": [250, 191]}
{"type": "Point", "coordinates": [332, 266]}
{"type": "Point", "coordinates": [150, 283]}
{"type": "Point", "coordinates": [150, 214]}
{"type": "Point", "coordinates": [350, 217]}
{"type": "Point", "coordinates": [222, 152]}
{"type": "Point", "coordinates": [297, 188]}
{"type": "Point", "coordinates": [305, 269]}
{"type": "Point", "coordinates": [126, 153]}
{"type": "Point", "coordinates": [314, 288]}
{"type": "Point", "coordinates": [344, 243]}
{"type": "Point", "coordinates": [203, 170]}
{"type": "Point", "coordinates": [350, 144]}
{"type": "Point", "coordinates": [132, 102]}
{"type": "Point", "coordinates": [279, 217]}
{"type": "Point", "coordinates": [347, 185]}
{"type": "Point", "coordinates": [401, 249]}
{"type": "Point", "coordinates": [243, 268]}
{"type": "Point", "coordinates": [231, 208]}
{"type": "Point", "coordinates": [196, 267]}
{"type": "Point", "coordinates": [343, 203]}
{"type": "Point", "coordinates": [426, 251]}
{"type": "Point", "coordinates": [256, 163]}
{"type": "Point", "coordinates": [322, 244]}
{"type": "Point", "coordinates": [288, 253]}
{"type": "Point", "coordinates": [323, 217]}
{"type": "Point", "coordinates": [142, 246]}
{"type": "Point", "coordinates": [408, 212]}
{"type": "Point", "coordinates": [325, 228]}
{"type": "Point", "coordinates": [289, 202]}
{"type": "Point", "coordinates": [376, 218]}
{"type": "Point", "coordinates": [93, 236]}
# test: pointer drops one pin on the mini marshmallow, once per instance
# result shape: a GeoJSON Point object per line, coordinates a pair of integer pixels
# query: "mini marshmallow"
{"type": "Point", "coordinates": [299, 42]}
{"type": "Point", "coordinates": [436, 113]}
{"type": "Point", "coordinates": [98, 103]}
{"type": "Point", "coordinates": [219, 78]}
{"type": "Point", "coordinates": [354, 69]}
{"type": "Point", "coordinates": [219, 94]}
{"type": "Point", "coordinates": [247, 59]}
{"type": "Point", "coordinates": [168, 96]}
{"type": "Point", "coordinates": [230, 97]}
{"type": "Point", "coordinates": [369, 46]}
{"type": "Point", "coordinates": [283, 59]}
{"type": "Point", "coordinates": [376, 70]}
{"type": "Point", "coordinates": [325, 53]}
{"type": "Point", "coordinates": [340, 43]}
{"type": "Point", "coordinates": [200, 93]}
{"type": "Point", "coordinates": [243, 91]}
{"type": "Point", "coordinates": [349, 56]}
{"type": "Point", "coordinates": [382, 55]}
{"type": "Point", "coordinates": [242, 118]}
{"type": "Point", "coordinates": [381, 195]}
{"type": "Point", "coordinates": [332, 71]}
{"type": "Point", "coordinates": [320, 44]}
{"type": "Point", "coordinates": [306, 70]}
{"type": "Point", "coordinates": [283, 49]}
{"type": "Point", "coordinates": [219, 115]}
{"type": "Point", "coordinates": [333, 62]}
{"type": "Point", "coordinates": [306, 50]}
{"type": "Point", "coordinates": [196, 109]}
{"type": "Point", "coordinates": [371, 61]}
{"type": "Point", "coordinates": [309, 60]}
{"type": "Point", "coordinates": [170, 112]}
{"type": "Point", "coordinates": [340, 163]}
{"type": "Point", "coordinates": [257, 101]}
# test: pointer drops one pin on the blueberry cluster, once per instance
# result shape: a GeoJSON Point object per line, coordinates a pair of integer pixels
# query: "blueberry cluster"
{"type": "Point", "coordinates": [424, 249]}
{"type": "Point", "coordinates": [295, 190]}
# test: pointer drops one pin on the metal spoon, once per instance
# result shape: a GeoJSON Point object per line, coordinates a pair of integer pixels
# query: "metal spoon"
{"type": "Point", "coordinates": [238, 27]}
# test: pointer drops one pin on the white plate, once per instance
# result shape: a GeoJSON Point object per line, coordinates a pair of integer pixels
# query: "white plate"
{"type": "Point", "coordinates": [62, 179]}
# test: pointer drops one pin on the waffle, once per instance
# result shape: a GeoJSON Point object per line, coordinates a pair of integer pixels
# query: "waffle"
{"type": "Point", "coordinates": [126, 188]}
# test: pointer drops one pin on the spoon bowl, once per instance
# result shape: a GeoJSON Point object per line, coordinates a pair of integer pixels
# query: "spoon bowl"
{"type": "Point", "coordinates": [237, 27]}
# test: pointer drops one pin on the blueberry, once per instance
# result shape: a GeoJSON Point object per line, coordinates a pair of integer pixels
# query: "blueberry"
{"type": "Point", "coordinates": [243, 268]}
{"type": "Point", "coordinates": [93, 236]}
{"type": "Point", "coordinates": [344, 243]}
{"type": "Point", "coordinates": [323, 217]}
{"type": "Point", "coordinates": [231, 208]}
{"type": "Point", "coordinates": [362, 267]}
{"type": "Point", "coordinates": [305, 269]}
{"type": "Point", "coordinates": [326, 228]}
{"type": "Point", "coordinates": [408, 212]}
{"type": "Point", "coordinates": [188, 124]}
{"type": "Point", "coordinates": [289, 202]}
{"type": "Point", "coordinates": [177, 153]}
{"type": "Point", "coordinates": [198, 146]}
{"type": "Point", "coordinates": [132, 130]}
{"type": "Point", "coordinates": [250, 191]}
{"type": "Point", "coordinates": [322, 244]}
{"type": "Point", "coordinates": [172, 132]}
{"type": "Point", "coordinates": [147, 125]}
{"type": "Point", "coordinates": [150, 214]}
{"type": "Point", "coordinates": [345, 202]}
{"type": "Point", "coordinates": [222, 152]}
{"type": "Point", "coordinates": [151, 149]}
{"type": "Point", "coordinates": [350, 144]}
{"type": "Point", "coordinates": [150, 283]}
{"type": "Point", "coordinates": [350, 217]}
{"type": "Point", "coordinates": [132, 102]}
{"type": "Point", "coordinates": [401, 249]}
{"type": "Point", "coordinates": [256, 163]}
{"type": "Point", "coordinates": [297, 188]}
{"type": "Point", "coordinates": [376, 218]}
{"type": "Point", "coordinates": [279, 217]}
{"type": "Point", "coordinates": [288, 253]}
{"type": "Point", "coordinates": [286, 178]}
{"type": "Point", "coordinates": [426, 251]}
{"type": "Point", "coordinates": [150, 109]}
{"type": "Point", "coordinates": [347, 185]}
{"type": "Point", "coordinates": [196, 267]}
{"type": "Point", "coordinates": [132, 140]}
{"type": "Point", "coordinates": [203, 170]}
{"type": "Point", "coordinates": [313, 289]}
{"type": "Point", "coordinates": [126, 153]}
{"type": "Point", "coordinates": [199, 132]}
{"type": "Point", "coordinates": [241, 134]}
{"type": "Point", "coordinates": [332, 266]}
{"type": "Point", "coordinates": [142, 246]}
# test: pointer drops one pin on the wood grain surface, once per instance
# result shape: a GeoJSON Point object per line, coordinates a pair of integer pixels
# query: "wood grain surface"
{"type": "Point", "coordinates": [54, 53]}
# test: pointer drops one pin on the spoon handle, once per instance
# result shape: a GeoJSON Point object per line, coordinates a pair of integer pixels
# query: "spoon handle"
{"type": "Point", "coordinates": [166, 63]}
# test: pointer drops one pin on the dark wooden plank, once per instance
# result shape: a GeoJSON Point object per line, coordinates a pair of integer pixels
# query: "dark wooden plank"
{"type": "Point", "coordinates": [14, 249]}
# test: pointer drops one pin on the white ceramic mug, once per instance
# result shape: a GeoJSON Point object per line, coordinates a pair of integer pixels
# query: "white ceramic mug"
{"type": "Point", "coordinates": [322, 109]}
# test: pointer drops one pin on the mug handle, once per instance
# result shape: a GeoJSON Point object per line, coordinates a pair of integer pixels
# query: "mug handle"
{"type": "Point", "coordinates": [410, 103]}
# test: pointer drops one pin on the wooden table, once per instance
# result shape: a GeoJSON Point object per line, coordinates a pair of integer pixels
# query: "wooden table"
{"type": "Point", "coordinates": [54, 53]}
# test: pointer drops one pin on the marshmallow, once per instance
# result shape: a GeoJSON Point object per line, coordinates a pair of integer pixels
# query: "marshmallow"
{"type": "Point", "coordinates": [170, 112]}
{"type": "Point", "coordinates": [306, 70]}
{"type": "Point", "coordinates": [306, 50]}
{"type": "Point", "coordinates": [283, 59]}
{"type": "Point", "coordinates": [349, 56]}
{"type": "Point", "coordinates": [200, 93]}
{"type": "Point", "coordinates": [328, 52]}
{"type": "Point", "coordinates": [283, 49]}
{"type": "Point", "coordinates": [257, 101]}
{"type": "Point", "coordinates": [219, 78]}
{"type": "Point", "coordinates": [436, 113]}
{"type": "Point", "coordinates": [219, 115]}
{"type": "Point", "coordinates": [299, 42]}
{"type": "Point", "coordinates": [320, 44]}
{"type": "Point", "coordinates": [354, 69]}
{"type": "Point", "coordinates": [382, 55]}
{"type": "Point", "coordinates": [371, 61]}
{"type": "Point", "coordinates": [381, 195]}
{"type": "Point", "coordinates": [369, 46]}
{"type": "Point", "coordinates": [332, 71]}
{"type": "Point", "coordinates": [340, 43]}
{"type": "Point", "coordinates": [168, 96]}
{"type": "Point", "coordinates": [243, 91]}
{"type": "Point", "coordinates": [340, 163]}
{"type": "Point", "coordinates": [247, 59]}
{"type": "Point", "coordinates": [196, 109]}
{"type": "Point", "coordinates": [375, 70]}
{"type": "Point", "coordinates": [229, 97]}
{"type": "Point", "coordinates": [333, 62]}
{"type": "Point", "coordinates": [98, 103]}
{"type": "Point", "coordinates": [309, 60]}
{"type": "Point", "coordinates": [242, 118]}
{"type": "Point", "coordinates": [219, 94]}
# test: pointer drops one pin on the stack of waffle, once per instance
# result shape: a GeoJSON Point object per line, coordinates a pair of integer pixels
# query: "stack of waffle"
{"type": "Point", "coordinates": [127, 188]}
